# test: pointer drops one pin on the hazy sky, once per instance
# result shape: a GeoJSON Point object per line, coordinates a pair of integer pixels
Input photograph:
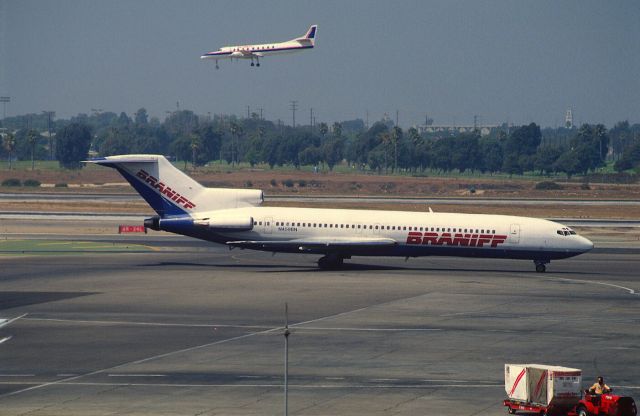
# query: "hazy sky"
{"type": "Point", "coordinates": [516, 61]}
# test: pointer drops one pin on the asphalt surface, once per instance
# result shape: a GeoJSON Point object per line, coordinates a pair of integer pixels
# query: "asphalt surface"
{"type": "Point", "coordinates": [198, 331]}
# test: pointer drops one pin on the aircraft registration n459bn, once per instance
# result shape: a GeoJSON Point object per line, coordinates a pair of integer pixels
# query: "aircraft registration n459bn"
{"type": "Point", "coordinates": [234, 217]}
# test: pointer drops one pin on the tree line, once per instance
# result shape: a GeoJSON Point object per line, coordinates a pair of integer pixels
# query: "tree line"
{"type": "Point", "coordinates": [382, 148]}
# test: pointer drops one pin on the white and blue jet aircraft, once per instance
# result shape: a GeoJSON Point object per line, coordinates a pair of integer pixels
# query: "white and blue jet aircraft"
{"type": "Point", "coordinates": [234, 217]}
{"type": "Point", "coordinates": [255, 52]}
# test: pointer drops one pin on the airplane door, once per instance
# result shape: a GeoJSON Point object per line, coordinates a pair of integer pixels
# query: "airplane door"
{"type": "Point", "coordinates": [514, 234]}
{"type": "Point", "coordinates": [267, 225]}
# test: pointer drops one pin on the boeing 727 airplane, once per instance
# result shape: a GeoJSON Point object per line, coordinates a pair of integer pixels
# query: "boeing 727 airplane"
{"type": "Point", "coordinates": [234, 217]}
{"type": "Point", "coordinates": [255, 52]}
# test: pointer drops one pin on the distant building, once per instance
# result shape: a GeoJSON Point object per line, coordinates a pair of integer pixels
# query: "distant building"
{"type": "Point", "coordinates": [484, 130]}
{"type": "Point", "coordinates": [568, 119]}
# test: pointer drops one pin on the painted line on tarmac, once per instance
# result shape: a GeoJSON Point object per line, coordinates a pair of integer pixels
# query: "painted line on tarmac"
{"type": "Point", "coordinates": [137, 375]}
{"type": "Point", "coordinates": [269, 385]}
{"type": "Point", "coordinates": [319, 328]}
{"type": "Point", "coordinates": [198, 347]}
{"type": "Point", "coordinates": [161, 324]}
{"type": "Point", "coordinates": [631, 291]}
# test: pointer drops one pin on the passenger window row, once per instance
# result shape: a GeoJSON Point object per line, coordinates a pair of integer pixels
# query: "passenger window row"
{"type": "Point", "coordinates": [377, 227]}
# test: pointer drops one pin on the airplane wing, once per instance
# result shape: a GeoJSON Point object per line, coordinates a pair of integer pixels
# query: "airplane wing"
{"type": "Point", "coordinates": [316, 244]}
{"type": "Point", "coordinates": [5, 322]}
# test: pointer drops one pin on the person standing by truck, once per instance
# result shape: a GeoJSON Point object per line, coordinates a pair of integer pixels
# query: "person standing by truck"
{"type": "Point", "coordinates": [599, 387]}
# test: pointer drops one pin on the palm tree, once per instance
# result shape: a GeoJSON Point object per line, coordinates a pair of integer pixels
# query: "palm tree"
{"type": "Point", "coordinates": [337, 129]}
{"type": "Point", "coordinates": [9, 142]}
{"type": "Point", "coordinates": [195, 145]}
{"type": "Point", "coordinates": [396, 136]}
{"type": "Point", "coordinates": [233, 128]}
{"type": "Point", "coordinates": [32, 138]}
{"type": "Point", "coordinates": [385, 138]}
{"type": "Point", "coordinates": [324, 129]}
{"type": "Point", "coordinates": [415, 136]}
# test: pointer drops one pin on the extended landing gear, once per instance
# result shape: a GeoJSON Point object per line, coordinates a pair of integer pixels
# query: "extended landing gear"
{"type": "Point", "coordinates": [330, 262]}
{"type": "Point", "coordinates": [540, 265]}
{"type": "Point", "coordinates": [257, 62]}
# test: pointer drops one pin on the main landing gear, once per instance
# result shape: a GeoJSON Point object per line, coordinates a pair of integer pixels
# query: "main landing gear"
{"type": "Point", "coordinates": [257, 62]}
{"type": "Point", "coordinates": [540, 265]}
{"type": "Point", "coordinates": [330, 262]}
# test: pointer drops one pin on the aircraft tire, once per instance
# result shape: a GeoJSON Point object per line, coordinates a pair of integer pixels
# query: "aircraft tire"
{"type": "Point", "coordinates": [330, 262]}
{"type": "Point", "coordinates": [541, 268]}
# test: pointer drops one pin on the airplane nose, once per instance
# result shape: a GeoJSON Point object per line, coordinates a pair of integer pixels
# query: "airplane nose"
{"type": "Point", "coordinates": [585, 244]}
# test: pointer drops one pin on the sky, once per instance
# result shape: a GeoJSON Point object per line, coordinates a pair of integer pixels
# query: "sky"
{"type": "Point", "coordinates": [502, 61]}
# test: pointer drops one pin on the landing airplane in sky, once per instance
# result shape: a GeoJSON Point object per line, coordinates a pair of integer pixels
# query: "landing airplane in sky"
{"type": "Point", "coordinates": [234, 217]}
{"type": "Point", "coordinates": [5, 322]}
{"type": "Point", "coordinates": [255, 52]}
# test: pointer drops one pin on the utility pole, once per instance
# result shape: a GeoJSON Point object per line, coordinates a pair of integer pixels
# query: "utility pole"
{"type": "Point", "coordinates": [293, 107]}
{"type": "Point", "coordinates": [248, 112]}
{"type": "Point", "coordinates": [261, 117]}
{"type": "Point", "coordinates": [286, 359]}
{"type": "Point", "coordinates": [366, 123]}
{"type": "Point", "coordinates": [50, 114]}
{"type": "Point", "coordinates": [475, 123]}
{"type": "Point", "coordinates": [4, 101]}
{"type": "Point", "coordinates": [311, 119]}
{"type": "Point", "coordinates": [397, 117]}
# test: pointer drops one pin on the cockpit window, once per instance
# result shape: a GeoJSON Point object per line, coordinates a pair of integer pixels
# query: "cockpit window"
{"type": "Point", "coordinates": [566, 231]}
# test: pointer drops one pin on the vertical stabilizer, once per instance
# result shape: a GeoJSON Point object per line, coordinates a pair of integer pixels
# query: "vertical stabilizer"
{"type": "Point", "coordinates": [172, 193]}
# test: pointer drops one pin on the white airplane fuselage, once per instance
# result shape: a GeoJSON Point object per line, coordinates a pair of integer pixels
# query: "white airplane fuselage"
{"type": "Point", "coordinates": [234, 217]}
{"type": "Point", "coordinates": [414, 233]}
{"type": "Point", "coordinates": [257, 51]}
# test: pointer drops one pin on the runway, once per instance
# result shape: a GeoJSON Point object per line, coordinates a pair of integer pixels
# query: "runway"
{"type": "Point", "coordinates": [198, 330]}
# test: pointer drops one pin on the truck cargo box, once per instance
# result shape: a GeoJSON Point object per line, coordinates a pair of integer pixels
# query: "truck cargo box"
{"type": "Point", "coordinates": [546, 385]}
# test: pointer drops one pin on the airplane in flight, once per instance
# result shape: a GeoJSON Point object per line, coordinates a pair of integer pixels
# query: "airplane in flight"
{"type": "Point", "coordinates": [255, 52]}
{"type": "Point", "coordinates": [234, 217]}
{"type": "Point", "coordinates": [5, 322]}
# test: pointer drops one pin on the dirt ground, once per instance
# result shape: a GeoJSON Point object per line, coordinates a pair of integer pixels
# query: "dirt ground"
{"type": "Point", "coordinates": [98, 179]}
{"type": "Point", "coordinates": [102, 180]}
